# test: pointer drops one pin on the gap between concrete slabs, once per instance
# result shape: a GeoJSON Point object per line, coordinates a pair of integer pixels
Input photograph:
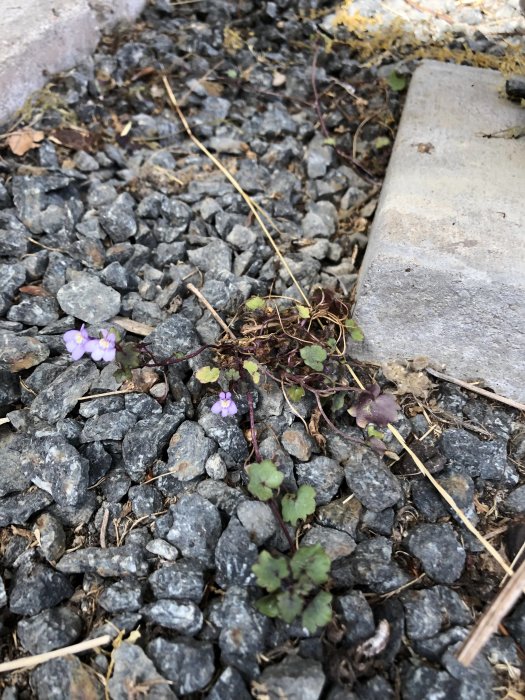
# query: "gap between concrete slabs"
{"type": "Point", "coordinates": [41, 37]}
{"type": "Point", "coordinates": [444, 273]}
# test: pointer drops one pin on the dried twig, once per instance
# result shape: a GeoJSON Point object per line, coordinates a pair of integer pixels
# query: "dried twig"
{"type": "Point", "coordinates": [212, 311]}
{"type": "Point", "coordinates": [493, 615]}
{"type": "Point", "coordinates": [476, 389]}
{"type": "Point", "coordinates": [133, 326]}
{"type": "Point", "coordinates": [106, 393]}
{"type": "Point", "coordinates": [30, 661]}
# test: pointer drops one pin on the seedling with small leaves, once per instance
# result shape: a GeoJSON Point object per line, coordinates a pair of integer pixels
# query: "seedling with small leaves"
{"type": "Point", "coordinates": [293, 586]}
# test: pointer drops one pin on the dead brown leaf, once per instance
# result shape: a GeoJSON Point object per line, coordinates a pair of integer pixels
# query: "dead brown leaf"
{"type": "Point", "coordinates": [313, 428]}
{"type": "Point", "coordinates": [407, 381]}
{"type": "Point", "coordinates": [20, 142]}
{"type": "Point", "coordinates": [34, 290]}
{"type": "Point", "coordinates": [76, 139]}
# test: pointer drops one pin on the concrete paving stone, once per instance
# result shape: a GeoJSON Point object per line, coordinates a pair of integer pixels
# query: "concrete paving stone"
{"type": "Point", "coordinates": [444, 273]}
{"type": "Point", "coordinates": [42, 37]}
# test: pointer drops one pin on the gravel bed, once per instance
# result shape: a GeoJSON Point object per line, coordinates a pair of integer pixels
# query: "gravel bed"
{"type": "Point", "coordinates": [129, 511]}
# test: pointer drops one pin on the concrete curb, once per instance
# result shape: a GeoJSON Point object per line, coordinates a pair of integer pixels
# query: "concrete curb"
{"type": "Point", "coordinates": [43, 37]}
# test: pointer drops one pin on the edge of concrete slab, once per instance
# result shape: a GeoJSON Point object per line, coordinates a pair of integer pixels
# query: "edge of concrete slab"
{"type": "Point", "coordinates": [40, 39]}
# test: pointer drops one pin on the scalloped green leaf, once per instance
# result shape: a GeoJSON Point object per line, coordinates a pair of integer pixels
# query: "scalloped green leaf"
{"type": "Point", "coordinates": [298, 506]}
{"type": "Point", "coordinates": [314, 356]}
{"type": "Point", "coordinates": [318, 612]}
{"type": "Point", "coordinates": [254, 303]}
{"type": "Point", "coordinates": [253, 370]}
{"type": "Point", "coordinates": [207, 375]}
{"type": "Point", "coordinates": [231, 375]}
{"type": "Point", "coordinates": [270, 571]}
{"type": "Point", "coordinates": [290, 605]}
{"type": "Point", "coordinates": [264, 477]}
{"type": "Point", "coordinates": [295, 393]}
{"type": "Point", "coordinates": [311, 561]}
{"type": "Point", "coordinates": [396, 82]}
{"type": "Point", "coordinates": [267, 605]}
{"type": "Point", "coordinates": [303, 311]}
{"type": "Point", "coordinates": [355, 332]}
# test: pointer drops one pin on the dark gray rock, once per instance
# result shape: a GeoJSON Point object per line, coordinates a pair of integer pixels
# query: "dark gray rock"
{"type": "Point", "coordinates": [515, 502]}
{"type": "Point", "coordinates": [320, 220]}
{"type": "Point", "coordinates": [109, 426]}
{"type": "Point", "coordinates": [66, 677]}
{"type": "Point", "coordinates": [61, 396]}
{"type": "Point", "coordinates": [229, 685]}
{"type": "Point", "coordinates": [516, 624]}
{"type": "Point", "coordinates": [183, 580]}
{"type": "Point", "coordinates": [15, 469]}
{"type": "Point", "coordinates": [50, 629]}
{"type": "Point", "coordinates": [221, 495]}
{"type": "Point", "coordinates": [432, 506]}
{"type": "Point", "coordinates": [86, 298]}
{"type": "Point", "coordinates": [324, 474]}
{"type": "Point", "coordinates": [34, 311]}
{"type": "Point", "coordinates": [133, 670]}
{"type": "Point", "coordinates": [3, 594]}
{"type": "Point", "coordinates": [228, 435]}
{"type": "Point", "coordinates": [258, 520]}
{"type": "Point", "coordinates": [372, 565]}
{"type": "Point", "coordinates": [163, 549]}
{"type": "Point", "coordinates": [297, 443]}
{"type": "Point", "coordinates": [431, 610]}
{"type": "Point", "coordinates": [465, 451]}
{"type": "Point", "coordinates": [340, 514]}
{"type": "Point", "coordinates": [18, 508]}
{"type": "Point", "coordinates": [18, 352]}
{"type": "Point", "coordinates": [357, 617]}
{"type": "Point", "coordinates": [243, 631]}
{"type": "Point", "coordinates": [433, 648]}
{"type": "Point", "coordinates": [426, 683]}
{"type": "Point", "coordinates": [336, 543]}
{"type": "Point", "coordinates": [212, 257]}
{"type": "Point", "coordinates": [373, 484]}
{"type": "Point", "coordinates": [127, 560]}
{"type": "Point", "coordinates": [318, 157]}
{"type": "Point", "coordinates": [234, 556]}
{"type": "Point", "coordinates": [37, 587]}
{"type": "Point", "coordinates": [188, 451]}
{"type": "Point", "coordinates": [116, 485]}
{"type": "Point", "coordinates": [188, 663]}
{"type": "Point", "coordinates": [145, 500]}
{"type": "Point", "coordinates": [294, 677]}
{"type": "Point", "coordinates": [177, 334]}
{"type": "Point", "coordinates": [62, 472]}
{"type": "Point", "coordinates": [9, 391]}
{"type": "Point", "coordinates": [477, 680]}
{"type": "Point", "coordinates": [104, 405]}
{"type": "Point", "coordinates": [182, 617]}
{"type": "Point", "coordinates": [144, 442]}
{"type": "Point", "coordinates": [118, 220]}
{"type": "Point", "coordinates": [196, 528]}
{"type": "Point", "coordinates": [122, 596]}
{"type": "Point", "coordinates": [439, 550]}
{"type": "Point", "coordinates": [51, 537]}
{"type": "Point", "coordinates": [142, 405]}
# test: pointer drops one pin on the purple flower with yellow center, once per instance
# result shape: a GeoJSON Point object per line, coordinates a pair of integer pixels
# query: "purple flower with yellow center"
{"type": "Point", "coordinates": [76, 342]}
{"type": "Point", "coordinates": [226, 406]}
{"type": "Point", "coordinates": [102, 348]}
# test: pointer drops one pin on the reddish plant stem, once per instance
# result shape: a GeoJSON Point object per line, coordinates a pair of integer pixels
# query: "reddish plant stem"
{"type": "Point", "coordinates": [273, 505]}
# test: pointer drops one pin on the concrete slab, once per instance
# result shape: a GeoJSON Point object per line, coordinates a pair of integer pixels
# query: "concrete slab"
{"type": "Point", "coordinates": [42, 37]}
{"type": "Point", "coordinates": [444, 272]}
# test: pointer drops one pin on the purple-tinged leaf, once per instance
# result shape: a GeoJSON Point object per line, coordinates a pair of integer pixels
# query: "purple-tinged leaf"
{"type": "Point", "coordinates": [374, 407]}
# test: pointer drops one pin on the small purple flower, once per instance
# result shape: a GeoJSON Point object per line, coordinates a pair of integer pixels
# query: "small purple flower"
{"type": "Point", "coordinates": [226, 406]}
{"type": "Point", "coordinates": [76, 342]}
{"type": "Point", "coordinates": [102, 348]}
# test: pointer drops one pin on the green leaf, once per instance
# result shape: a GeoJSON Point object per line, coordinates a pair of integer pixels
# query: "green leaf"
{"type": "Point", "coordinates": [255, 303]}
{"type": "Point", "coordinates": [290, 605]}
{"type": "Point", "coordinates": [313, 562]}
{"type": "Point", "coordinates": [396, 82]}
{"type": "Point", "coordinates": [120, 375]}
{"type": "Point", "coordinates": [314, 356]}
{"type": "Point", "coordinates": [127, 356]}
{"type": "Point", "coordinates": [231, 375]}
{"type": "Point", "coordinates": [207, 375]}
{"type": "Point", "coordinates": [304, 311]}
{"type": "Point", "coordinates": [253, 370]}
{"type": "Point", "coordinates": [263, 478]}
{"type": "Point", "coordinates": [374, 433]}
{"type": "Point", "coordinates": [330, 141]}
{"type": "Point", "coordinates": [381, 142]}
{"type": "Point", "coordinates": [232, 74]}
{"type": "Point", "coordinates": [332, 343]}
{"type": "Point", "coordinates": [270, 571]}
{"type": "Point", "coordinates": [318, 613]}
{"type": "Point", "coordinates": [355, 332]}
{"type": "Point", "coordinates": [297, 506]}
{"type": "Point", "coordinates": [295, 393]}
{"type": "Point", "coordinates": [267, 605]}
{"type": "Point", "coordinates": [338, 401]}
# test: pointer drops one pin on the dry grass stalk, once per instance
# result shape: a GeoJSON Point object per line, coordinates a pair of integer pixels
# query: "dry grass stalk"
{"type": "Point", "coordinates": [491, 618]}
{"type": "Point", "coordinates": [252, 205]}
{"type": "Point", "coordinates": [30, 661]}
{"type": "Point", "coordinates": [131, 326]}
{"type": "Point", "coordinates": [476, 389]}
{"type": "Point", "coordinates": [212, 311]}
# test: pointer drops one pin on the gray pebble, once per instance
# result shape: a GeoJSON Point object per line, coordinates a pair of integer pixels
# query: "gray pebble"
{"type": "Point", "coordinates": [50, 629]}
{"type": "Point", "coordinates": [294, 677]}
{"type": "Point", "coordinates": [324, 474]}
{"type": "Point", "coordinates": [127, 560]}
{"type": "Point", "coordinates": [190, 664]}
{"type": "Point", "coordinates": [183, 580]}
{"type": "Point", "coordinates": [439, 550]}
{"type": "Point", "coordinates": [86, 298]}
{"type": "Point", "coordinates": [373, 484]}
{"type": "Point", "coordinates": [196, 528]}
{"type": "Point", "coordinates": [133, 669]}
